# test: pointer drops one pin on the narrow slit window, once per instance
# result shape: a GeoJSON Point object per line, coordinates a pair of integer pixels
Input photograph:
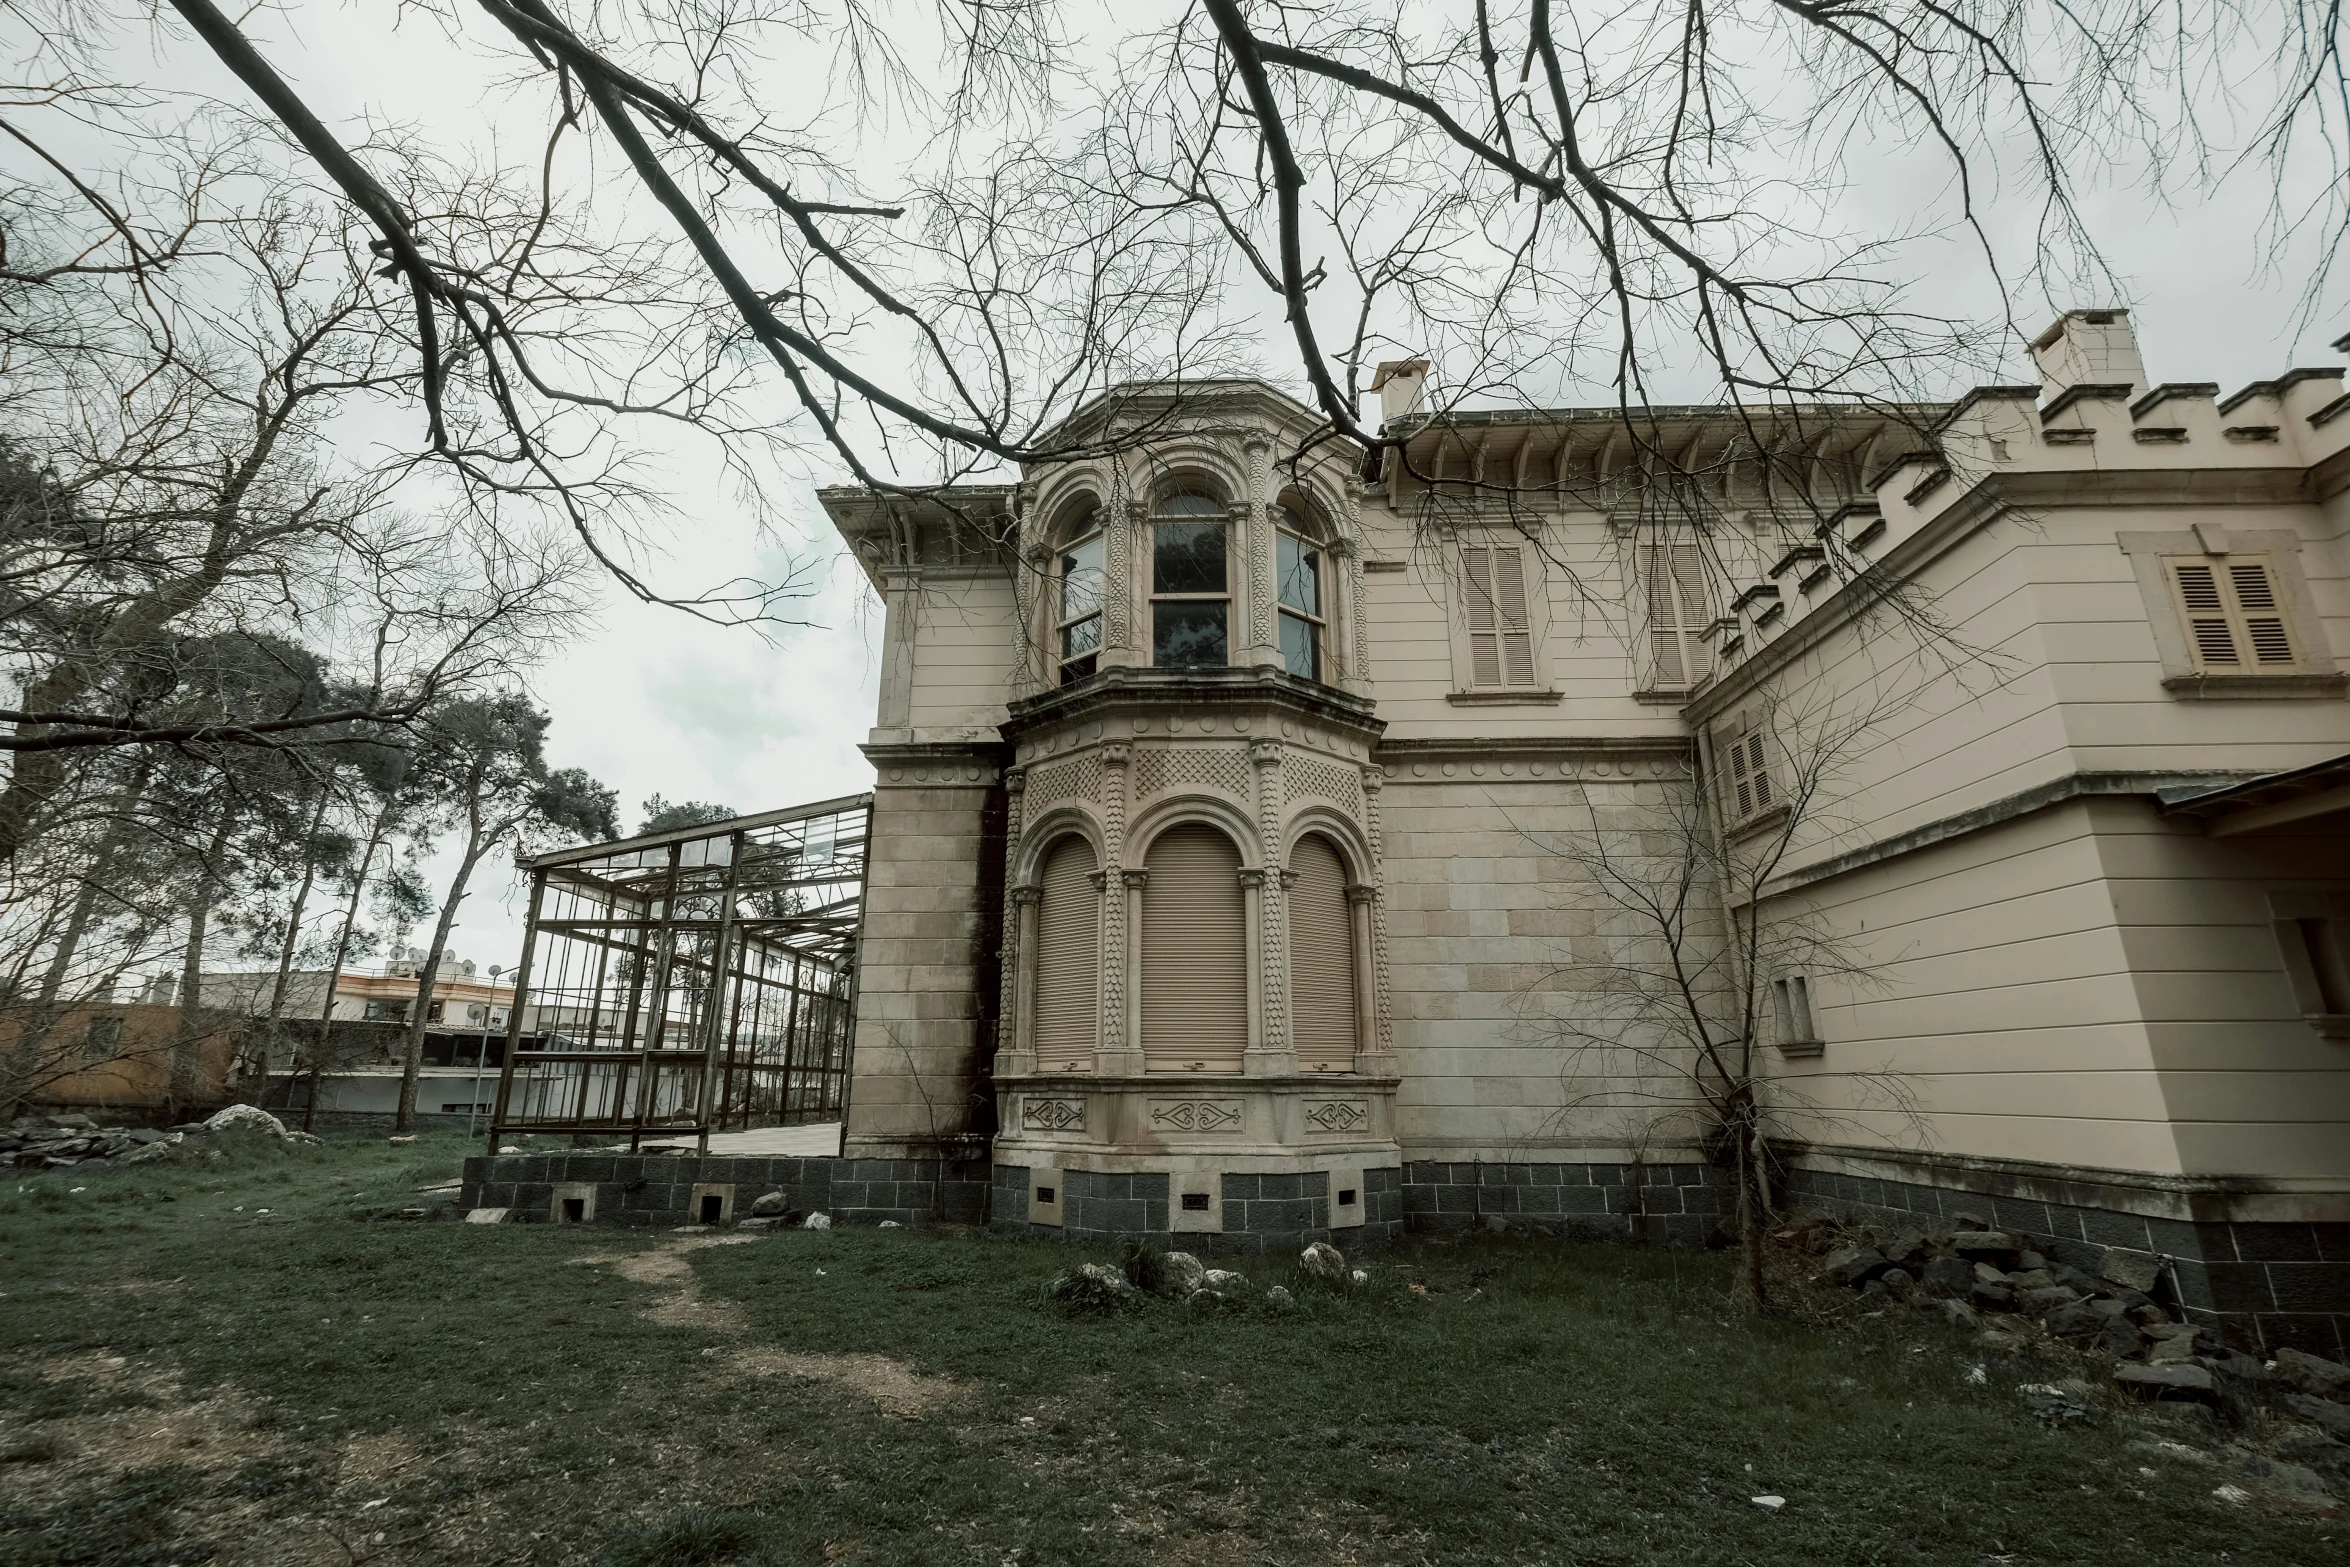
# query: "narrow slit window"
{"type": "Point", "coordinates": [1079, 628]}
{"type": "Point", "coordinates": [1302, 622]}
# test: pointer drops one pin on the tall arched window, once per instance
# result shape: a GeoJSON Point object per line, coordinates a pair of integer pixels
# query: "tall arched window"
{"type": "Point", "coordinates": [1077, 622]}
{"type": "Point", "coordinates": [1191, 583]}
{"type": "Point", "coordinates": [1322, 1008]}
{"type": "Point", "coordinates": [1068, 958]}
{"type": "Point", "coordinates": [1298, 572]}
{"type": "Point", "coordinates": [1194, 953]}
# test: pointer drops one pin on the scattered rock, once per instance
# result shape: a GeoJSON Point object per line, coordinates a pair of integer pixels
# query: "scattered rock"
{"type": "Point", "coordinates": [1360, 1278]}
{"type": "Point", "coordinates": [761, 1224]}
{"type": "Point", "coordinates": [1768, 1503]}
{"type": "Point", "coordinates": [1906, 1250]}
{"type": "Point", "coordinates": [246, 1118]}
{"type": "Point", "coordinates": [771, 1205]}
{"type": "Point", "coordinates": [1992, 1297]}
{"type": "Point", "coordinates": [1898, 1283]}
{"type": "Point", "coordinates": [2186, 1380]}
{"type": "Point", "coordinates": [1090, 1289]}
{"type": "Point", "coordinates": [1221, 1279]}
{"type": "Point", "coordinates": [1181, 1274]}
{"type": "Point", "coordinates": [1946, 1278]}
{"type": "Point", "coordinates": [2172, 1349]}
{"type": "Point", "coordinates": [889, 1224]}
{"type": "Point", "coordinates": [2331, 1418]}
{"type": "Point", "coordinates": [2045, 1299]}
{"type": "Point", "coordinates": [2053, 1402]}
{"type": "Point", "coordinates": [1954, 1313]}
{"type": "Point", "coordinates": [2307, 1373]}
{"type": "Point", "coordinates": [2131, 1270]}
{"type": "Point", "coordinates": [817, 1221]}
{"type": "Point", "coordinates": [486, 1215]}
{"type": "Point", "coordinates": [509, 1148]}
{"type": "Point", "coordinates": [1853, 1265]}
{"type": "Point", "coordinates": [1322, 1263]}
{"type": "Point", "coordinates": [411, 1137]}
{"type": "Point", "coordinates": [1976, 1243]}
{"type": "Point", "coordinates": [1280, 1299]}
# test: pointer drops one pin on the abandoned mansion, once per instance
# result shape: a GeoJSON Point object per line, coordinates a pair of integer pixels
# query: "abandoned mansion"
{"type": "Point", "coordinates": [1260, 840]}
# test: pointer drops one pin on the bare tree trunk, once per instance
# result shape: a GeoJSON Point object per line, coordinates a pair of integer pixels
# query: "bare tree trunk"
{"type": "Point", "coordinates": [187, 1037]}
{"type": "Point", "coordinates": [334, 971]}
{"type": "Point", "coordinates": [412, 1060]}
{"type": "Point", "coordinates": [257, 1079]}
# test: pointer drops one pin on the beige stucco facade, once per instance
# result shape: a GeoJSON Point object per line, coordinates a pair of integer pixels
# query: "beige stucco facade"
{"type": "Point", "coordinates": [2079, 948]}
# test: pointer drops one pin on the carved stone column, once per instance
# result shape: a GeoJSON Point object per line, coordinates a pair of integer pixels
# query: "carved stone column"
{"type": "Point", "coordinates": [1259, 645]}
{"type": "Point", "coordinates": [1018, 1029]}
{"type": "Point", "coordinates": [1270, 920]}
{"type": "Point", "coordinates": [1125, 539]}
{"type": "Point", "coordinates": [1380, 1044]}
{"type": "Point", "coordinates": [1255, 1060]}
{"type": "Point", "coordinates": [1129, 1060]}
{"type": "Point", "coordinates": [1360, 902]}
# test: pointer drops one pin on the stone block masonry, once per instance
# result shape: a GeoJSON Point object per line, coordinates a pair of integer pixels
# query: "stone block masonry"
{"type": "Point", "coordinates": [1261, 1213]}
{"type": "Point", "coordinates": [657, 1190]}
{"type": "Point", "coordinates": [2270, 1285]}
{"type": "Point", "coordinates": [1656, 1204]}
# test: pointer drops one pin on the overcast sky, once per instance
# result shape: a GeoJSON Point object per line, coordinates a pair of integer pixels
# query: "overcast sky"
{"type": "Point", "coordinates": [651, 701]}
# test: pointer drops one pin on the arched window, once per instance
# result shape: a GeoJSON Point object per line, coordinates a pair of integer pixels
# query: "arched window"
{"type": "Point", "coordinates": [1077, 627]}
{"type": "Point", "coordinates": [1194, 953]}
{"type": "Point", "coordinates": [1298, 569]}
{"type": "Point", "coordinates": [1191, 594]}
{"type": "Point", "coordinates": [1068, 958]}
{"type": "Point", "coordinates": [1322, 1010]}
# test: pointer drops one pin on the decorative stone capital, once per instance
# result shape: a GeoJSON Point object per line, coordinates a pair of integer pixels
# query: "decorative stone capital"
{"type": "Point", "coordinates": [1015, 779]}
{"type": "Point", "coordinates": [1288, 879]}
{"type": "Point", "coordinates": [1026, 896]}
{"type": "Point", "coordinates": [1100, 879]}
{"type": "Point", "coordinates": [1117, 754]}
{"type": "Point", "coordinates": [1265, 753]}
{"type": "Point", "coordinates": [1251, 876]}
{"type": "Point", "coordinates": [1136, 879]}
{"type": "Point", "coordinates": [1374, 779]}
{"type": "Point", "coordinates": [1363, 894]}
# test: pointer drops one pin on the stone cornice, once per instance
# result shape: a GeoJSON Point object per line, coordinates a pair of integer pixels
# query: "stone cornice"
{"type": "Point", "coordinates": [1120, 691]}
{"type": "Point", "coordinates": [1545, 748]}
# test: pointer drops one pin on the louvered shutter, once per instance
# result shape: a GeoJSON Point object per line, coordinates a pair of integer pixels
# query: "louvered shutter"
{"type": "Point", "coordinates": [1501, 638]}
{"type": "Point", "coordinates": [1068, 958]}
{"type": "Point", "coordinates": [1746, 773]}
{"type": "Point", "coordinates": [1517, 639]}
{"type": "Point", "coordinates": [1676, 612]}
{"type": "Point", "coordinates": [2232, 616]}
{"type": "Point", "coordinates": [2264, 620]}
{"type": "Point", "coordinates": [1321, 959]}
{"type": "Point", "coordinates": [1194, 953]}
{"type": "Point", "coordinates": [1484, 642]}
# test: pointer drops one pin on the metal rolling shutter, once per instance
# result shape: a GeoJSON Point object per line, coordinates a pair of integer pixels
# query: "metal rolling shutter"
{"type": "Point", "coordinates": [1194, 954]}
{"type": "Point", "coordinates": [1321, 959]}
{"type": "Point", "coordinates": [1068, 957]}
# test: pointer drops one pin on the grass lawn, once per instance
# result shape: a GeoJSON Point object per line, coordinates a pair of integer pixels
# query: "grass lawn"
{"type": "Point", "coordinates": [243, 1361]}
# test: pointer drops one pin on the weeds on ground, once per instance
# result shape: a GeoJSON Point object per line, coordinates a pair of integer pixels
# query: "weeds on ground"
{"type": "Point", "coordinates": [331, 1385]}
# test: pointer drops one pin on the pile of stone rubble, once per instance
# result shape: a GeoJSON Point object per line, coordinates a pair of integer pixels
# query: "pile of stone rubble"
{"type": "Point", "coordinates": [59, 1142]}
{"type": "Point", "coordinates": [1961, 1274]}
{"type": "Point", "coordinates": [1178, 1275]}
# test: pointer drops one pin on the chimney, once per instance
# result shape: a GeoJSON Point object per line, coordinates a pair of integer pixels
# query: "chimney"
{"type": "Point", "coordinates": [2089, 348]}
{"type": "Point", "coordinates": [1400, 384]}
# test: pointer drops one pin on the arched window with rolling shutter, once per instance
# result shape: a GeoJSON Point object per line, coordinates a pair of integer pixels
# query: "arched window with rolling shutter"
{"type": "Point", "coordinates": [1068, 958]}
{"type": "Point", "coordinates": [1322, 1009]}
{"type": "Point", "coordinates": [1194, 953]}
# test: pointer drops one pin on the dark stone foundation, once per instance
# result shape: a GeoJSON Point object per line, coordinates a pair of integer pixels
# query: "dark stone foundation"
{"type": "Point", "coordinates": [658, 1189]}
{"type": "Point", "coordinates": [1260, 1212]}
{"type": "Point", "coordinates": [2267, 1284]}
